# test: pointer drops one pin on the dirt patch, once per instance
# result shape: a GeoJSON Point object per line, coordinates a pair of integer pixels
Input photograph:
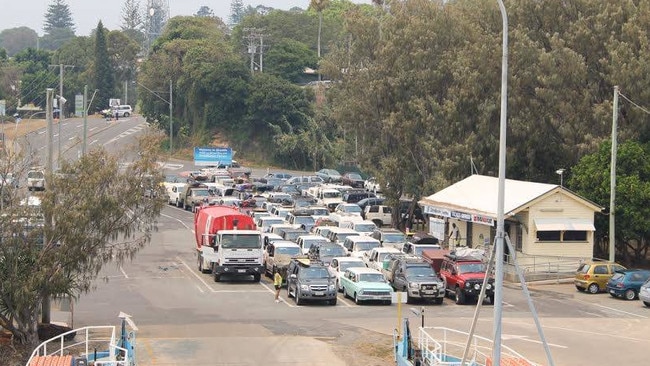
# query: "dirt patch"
{"type": "Point", "coordinates": [12, 130]}
{"type": "Point", "coordinates": [364, 347]}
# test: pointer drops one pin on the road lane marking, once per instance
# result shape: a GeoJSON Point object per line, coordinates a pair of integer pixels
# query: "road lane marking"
{"type": "Point", "coordinates": [79, 126]}
{"type": "Point", "coordinates": [93, 142]}
{"type": "Point", "coordinates": [272, 291]}
{"type": "Point", "coordinates": [92, 128]}
{"type": "Point", "coordinates": [608, 334]}
{"type": "Point", "coordinates": [182, 223]}
{"type": "Point", "coordinates": [72, 138]}
{"type": "Point", "coordinates": [524, 338]}
{"type": "Point", "coordinates": [237, 291]}
{"type": "Point", "coordinates": [200, 289]}
{"type": "Point", "coordinates": [41, 148]}
{"type": "Point", "coordinates": [621, 311]}
{"type": "Point", "coordinates": [123, 272]}
{"type": "Point", "coordinates": [194, 274]}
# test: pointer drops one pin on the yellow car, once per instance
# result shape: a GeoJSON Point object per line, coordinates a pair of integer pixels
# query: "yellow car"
{"type": "Point", "coordinates": [593, 276]}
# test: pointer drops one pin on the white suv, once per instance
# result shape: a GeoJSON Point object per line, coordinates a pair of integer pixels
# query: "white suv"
{"type": "Point", "coordinates": [123, 110]}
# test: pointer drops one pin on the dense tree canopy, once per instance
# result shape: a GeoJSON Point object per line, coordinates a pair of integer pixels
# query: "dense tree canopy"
{"type": "Point", "coordinates": [15, 40]}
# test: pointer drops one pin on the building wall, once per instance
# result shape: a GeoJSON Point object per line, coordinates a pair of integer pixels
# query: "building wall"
{"type": "Point", "coordinates": [558, 205]}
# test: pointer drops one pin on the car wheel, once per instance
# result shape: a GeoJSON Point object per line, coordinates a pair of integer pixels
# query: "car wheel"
{"type": "Point", "coordinates": [593, 288]}
{"type": "Point", "coordinates": [332, 302]}
{"type": "Point", "coordinates": [257, 277]}
{"type": "Point", "coordinates": [338, 286]}
{"type": "Point", "coordinates": [200, 263]}
{"type": "Point", "coordinates": [298, 298]}
{"type": "Point", "coordinates": [613, 295]}
{"type": "Point", "coordinates": [630, 294]}
{"type": "Point", "coordinates": [387, 302]}
{"type": "Point", "coordinates": [438, 300]}
{"type": "Point", "coordinates": [646, 303]}
{"type": "Point", "coordinates": [126, 114]}
{"type": "Point", "coordinates": [460, 296]}
{"type": "Point", "coordinates": [409, 299]}
{"type": "Point", "coordinates": [288, 291]}
{"type": "Point", "coordinates": [356, 299]}
{"type": "Point", "coordinates": [217, 277]}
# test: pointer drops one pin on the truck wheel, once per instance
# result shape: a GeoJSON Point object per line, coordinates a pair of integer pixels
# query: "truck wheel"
{"type": "Point", "coordinates": [409, 299]}
{"type": "Point", "coordinates": [332, 302]}
{"type": "Point", "coordinates": [257, 277]}
{"type": "Point", "coordinates": [217, 277]}
{"type": "Point", "coordinates": [178, 203]}
{"type": "Point", "coordinates": [438, 300]}
{"type": "Point", "coordinates": [460, 296]}
{"type": "Point", "coordinates": [200, 263]}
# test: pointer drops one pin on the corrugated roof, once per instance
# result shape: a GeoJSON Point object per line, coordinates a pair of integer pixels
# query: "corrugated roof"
{"type": "Point", "coordinates": [479, 193]}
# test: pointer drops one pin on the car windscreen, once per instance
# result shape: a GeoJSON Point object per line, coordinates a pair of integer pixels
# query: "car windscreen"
{"type": "Point", "coordinates": [35, 175]}
{"type": "Point", "coordinates": [420, 271]}
{"type": "Point", "coordinates": [201, 192]}
{"type": "Point", "coordinates": [352, 209]}
{"type": "Point", "coordinates": [332, 251]}
{"type": "Point", "coordinates": [371, 277]}
{"type": "Point", "coordinates": [341, 236]}
{"type": "Point", "coordinates": [331, 194]}
{"type": "Point", "coordinates": [343, 265]}
{"type": "Point", "coordinates": [618, 276]}
{"type": "Point", "coordinates": [304, 220]}
{"type": "Point", "coordinates": [361, 246]}
{"type": "Point", "coordinates": [244, 241]}
{"type": "Point", "coordinates": [471, 268]}
{"type": "Point", "coordinates": [320, 212]}
{"type": "Point", "coordinates": [314, 273]}
{"type": "Point", "coordinates": [272, 221]}
{"type": "Point", "coordinates": [287, 250]}
{"type": "Point", "coordinates": [364, 228]}
{"type": "Point", "coordinates": [394, 238]}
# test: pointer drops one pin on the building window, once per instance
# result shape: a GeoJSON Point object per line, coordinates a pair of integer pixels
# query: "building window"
{"type": "Point", "coordinates": [549, 235]}
{"type": "Point", "coordinates": [574, 236]}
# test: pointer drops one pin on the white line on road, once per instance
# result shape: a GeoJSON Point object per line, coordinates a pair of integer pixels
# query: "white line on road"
{"type": "Point", "coordinates": [194, 274]}
{"type": "Point", "coordinates": [56, 134]}
{"type": "Point", "coordinates": [93, 141]}
{"type": "Point", "coordinates": [286, 302]}
{"type": "Point", "coordinates": [124, 273]}
{"type": "Point", "coordinates": [200, 289]}
{"type": "Point", "coordinates": [64, 124]}
{"type": "Point", "coordinates": [182, 223]}
{"type": "Point", "coordinates": [79, 126]}
{"type": "Point", "coordinates": [92, 128]}
{"type": "Point", "coordinates": [621, 311]}
{"type": "Point", "coordinates": [72, 138]}
{"type": "Point", "coordinates": [236, 291]}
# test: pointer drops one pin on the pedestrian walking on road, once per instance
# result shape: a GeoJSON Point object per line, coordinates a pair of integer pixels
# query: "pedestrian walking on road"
{"type": "Point", "coordinates": [277, 282]}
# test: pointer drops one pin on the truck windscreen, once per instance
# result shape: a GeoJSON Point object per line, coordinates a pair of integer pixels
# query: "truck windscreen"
{"type": "Point", "coordinates": [239, 241]}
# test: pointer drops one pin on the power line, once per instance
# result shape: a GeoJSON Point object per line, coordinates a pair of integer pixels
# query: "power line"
{"type": "Point", "coordinates": [634, 104]}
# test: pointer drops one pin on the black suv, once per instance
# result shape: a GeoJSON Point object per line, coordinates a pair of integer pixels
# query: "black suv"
{"type": "Point", "coordinates": [356, 196]}
{"type": "Point", "coordinates": [310, 280]}
{"type": "Point", "coordinates": [416, 277]}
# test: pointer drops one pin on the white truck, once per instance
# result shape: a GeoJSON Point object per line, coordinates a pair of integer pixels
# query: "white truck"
{"type": "Point", "coordinates": [380, 215]}
{"type": "Point", "coordinates": [328, 197]}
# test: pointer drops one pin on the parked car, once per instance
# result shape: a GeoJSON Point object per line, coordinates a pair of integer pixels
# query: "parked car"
{"type": "Point", "coordinates": [277, 256]}
{"type": "Point", "coordinates": [356, 196]}
{"type": "Point", "coordinates": [329, 175]}
{"type": "Point", "coordinates": [593, 276]}
{"type": "Point", "coordinates": [418, 249]}
{"type": "Point", "coordinates": [390, 238]}
{"type": "Point", "coordinates": [353, 180]}
{"type": "Point", "coordinates": [348, 208]}
{"type": "Point", "coordinates": [338, 265]}
{"type": "Point", "coordinates": [309, 280]}
{"type": "Point", "coordinates": [644, 293]}
{"type": "Point", "coordinates": [366, 284]}
{"type": "Point", "coordinates": [627, 283]}
{"type": "Point", "coordinates": [304, 179]}
{"type": "Point", "coordinates": [372, 185]}
{"type": "Point", "coordinates": [358, 246]}
{"type": "Point", "coordinates": [416, 277]}
{"type": "Point", "coordinates": [370, 201]}
{"type": "Point", "coordinates": [306, 241]}
{"type": "Point", "coordinates": [464, 277]}
{"type": "Point", "coordinates": [276, 175]}
{"type": "Point", "coordinates": [325, 252]}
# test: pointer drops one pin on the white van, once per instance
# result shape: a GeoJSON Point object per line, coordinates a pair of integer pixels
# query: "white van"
{"type": "Point", "coordinates": [36, 180]}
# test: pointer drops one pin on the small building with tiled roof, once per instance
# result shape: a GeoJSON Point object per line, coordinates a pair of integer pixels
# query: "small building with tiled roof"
{"type": "Point", "coordinates": [542, 220]}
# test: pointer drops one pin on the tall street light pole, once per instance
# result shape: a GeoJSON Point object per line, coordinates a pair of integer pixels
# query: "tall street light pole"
{"type": "Point", "coordinates": [612, 181]}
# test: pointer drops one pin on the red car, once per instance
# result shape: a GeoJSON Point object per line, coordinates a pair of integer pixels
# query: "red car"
{"type": "Point", "coordinates": [353, 180]}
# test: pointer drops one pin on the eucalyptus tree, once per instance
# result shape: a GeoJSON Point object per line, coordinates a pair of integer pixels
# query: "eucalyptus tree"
{"type": "Point", "coordinates": [100, 215]}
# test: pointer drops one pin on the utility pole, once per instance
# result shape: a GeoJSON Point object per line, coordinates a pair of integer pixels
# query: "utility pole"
{"type": "Point", "coordinates": [171, 125]}
{"type": "Point", "coordinates": [126, 92]}
{"type": "Point", "coordinates": [61, 102]}
{"type": "Point", "coordinates": [253, 35]}
{"type": "Point", "coordinates": [261, 53]}
{"type": "Point", "coordinates": [612, 180]}
{"type": "Point", "coordinates": [49, 96]}
{"type": "Point", "coordinates": [85, 114]}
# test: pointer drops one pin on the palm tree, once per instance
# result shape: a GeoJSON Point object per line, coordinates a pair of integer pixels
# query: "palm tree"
{"type": "Point", "coordinates": [319, 5]}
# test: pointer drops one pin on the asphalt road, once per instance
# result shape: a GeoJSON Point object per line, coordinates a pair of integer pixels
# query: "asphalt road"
{"type": "Point", "coordinates": [185, 318]}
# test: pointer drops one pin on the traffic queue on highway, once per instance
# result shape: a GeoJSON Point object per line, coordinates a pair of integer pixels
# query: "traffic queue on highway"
{"type": "Point", "coordinates": [321, 235]}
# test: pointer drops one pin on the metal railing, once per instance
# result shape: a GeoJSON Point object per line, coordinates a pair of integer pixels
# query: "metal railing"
{"type": "Point", "coordinates": [93, 337]}
{"type": "Point", "coordinates": [545, 267]}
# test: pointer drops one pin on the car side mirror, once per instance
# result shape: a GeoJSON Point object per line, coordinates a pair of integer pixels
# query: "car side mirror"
{"type": "Point", "coordinates": [453, 271]}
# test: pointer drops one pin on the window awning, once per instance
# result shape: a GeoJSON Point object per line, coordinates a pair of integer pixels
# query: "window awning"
{"type": "Point", "coordinates": [560, 224]}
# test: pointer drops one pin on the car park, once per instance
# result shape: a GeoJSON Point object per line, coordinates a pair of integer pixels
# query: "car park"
{"type": "Point", "coordinates": [338, 265]}
{"type": "Point", "coordinates": [366, 284]}
{"type": "Point", "coordinates": [329, 175]}
{"type": "Point", "coordinates": [353, 180]}
{"type": "Point", "coordinates": [626, 283]}
{"type": "Point", "coordinates": [309, 280]}
{"type": "Point", "coordinates": [592, 276]}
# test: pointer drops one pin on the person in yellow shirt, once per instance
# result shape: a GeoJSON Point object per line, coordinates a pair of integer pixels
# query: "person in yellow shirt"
{"type": "Point", "coordinates": [277, 282]}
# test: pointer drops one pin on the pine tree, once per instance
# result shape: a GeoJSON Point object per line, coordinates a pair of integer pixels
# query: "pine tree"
{"type": "Point", "coordinates": [58, 17]}
{"type": "Point", "coordinates": [205, 11]}
{"type": "Point", "coordinates": [104, 80]}
{"type": "Point", "coordinates": [237, 11]}
{"type": "Point", "coordinates": [132, 20]}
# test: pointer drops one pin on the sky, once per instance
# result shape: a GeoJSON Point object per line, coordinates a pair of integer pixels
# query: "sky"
{"type": "Point", "coordinates": [87, 13]}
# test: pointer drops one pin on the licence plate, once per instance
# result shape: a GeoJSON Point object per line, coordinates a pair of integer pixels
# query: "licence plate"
{"type": "Point", "coordinates": [429, 292]}
{"type": "Point", "coordinates": [241, 271]}
{"type": "Point", "coordinates": [319, 293]}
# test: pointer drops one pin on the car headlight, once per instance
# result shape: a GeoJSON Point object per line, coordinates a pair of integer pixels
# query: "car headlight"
{"type": "Point", "coordinates": [332, 287]}
{"type": "Point", "coordinates": [467, 284]}
{"type": "Point", "coordinates": [414, 285]}
{"type": "Point", "coordinates": [488, 286]}
{"type": "Point", "coordinates": [477, 287]}
{"type": "Point", "coordinates": [304, 287]}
